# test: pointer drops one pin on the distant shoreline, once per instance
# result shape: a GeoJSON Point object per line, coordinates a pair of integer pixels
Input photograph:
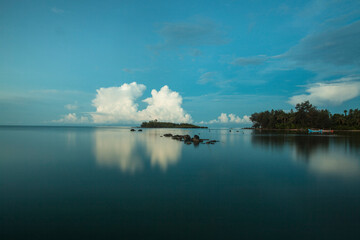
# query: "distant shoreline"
{"type": "Point", "coordinates": [176, 127]}
{"type": "Point", "coordinates": [299, 130]}
{"type": "Point", "coordinates": [156, 124]}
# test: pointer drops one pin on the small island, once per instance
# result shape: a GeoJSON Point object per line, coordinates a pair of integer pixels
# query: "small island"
{"type": "Point", "coordinates": [156, 124]}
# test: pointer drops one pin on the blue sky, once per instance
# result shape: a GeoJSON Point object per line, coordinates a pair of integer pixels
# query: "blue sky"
{"type": "Point", "coordinates": [74, 62]}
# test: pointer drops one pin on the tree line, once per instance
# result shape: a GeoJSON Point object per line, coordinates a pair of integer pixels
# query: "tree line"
{"type": "Point", "coordinates": [306, 116]}
{"type": "Point", "coordinates": [156, 124]}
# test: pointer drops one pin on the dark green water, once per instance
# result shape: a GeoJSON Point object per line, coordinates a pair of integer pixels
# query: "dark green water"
{"type": "Point", "coordinates": [110, 183]}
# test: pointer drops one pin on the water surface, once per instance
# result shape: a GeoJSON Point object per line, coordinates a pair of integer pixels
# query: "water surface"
{"type": "Point", "coordinates": [64, 183]}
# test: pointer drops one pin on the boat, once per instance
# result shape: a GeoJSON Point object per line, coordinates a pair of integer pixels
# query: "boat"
{"type": "Point", "coordinates": [315, 131]}
{"type": "Point", "coordinates": [328, 131]}
{"type": "Point", "coordinates": [320, 131]}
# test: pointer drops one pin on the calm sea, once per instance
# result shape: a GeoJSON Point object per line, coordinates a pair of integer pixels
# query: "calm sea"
{"type": "Point", "coordinates": [110, 183]}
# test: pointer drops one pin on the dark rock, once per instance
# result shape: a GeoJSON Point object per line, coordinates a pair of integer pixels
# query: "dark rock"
{"type": "Point", "coordinates": [196, 140]}
{"type": "Point", "coordinates": [187, 138]}
{"type": "Point", "coordinates": [139, 130]}
{"type": "Point", "coordinates": [132, 130]}
{"type": "Point", "coordinates": [177, 137]}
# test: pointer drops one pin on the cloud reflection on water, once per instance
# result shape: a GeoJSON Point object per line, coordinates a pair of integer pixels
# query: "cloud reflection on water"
{"type": "Point", "coordinates": [324, 155]}
{"type": "Point", "coordinates": [114, 150]}
{"type": "Point", "coordinates": [162, 152]}
{"type": "Point", "coordinates": [132, 152]}
{"type": "Point", "coordinates": [337, 164]}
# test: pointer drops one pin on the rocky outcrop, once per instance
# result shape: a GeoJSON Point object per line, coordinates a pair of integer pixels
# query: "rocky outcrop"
{"type": "Point", "coordinates": [187, 139]}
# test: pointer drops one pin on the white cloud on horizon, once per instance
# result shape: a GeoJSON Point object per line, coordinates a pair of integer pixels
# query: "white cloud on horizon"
{"type": "Point", "coordinates": [117, 104]}
{"type": "Point", "coordinates": [72, 118]}
{"type": "Point", "coordinates": [231, 118]}
{"type": "Point", "coordinates": [333, 93]}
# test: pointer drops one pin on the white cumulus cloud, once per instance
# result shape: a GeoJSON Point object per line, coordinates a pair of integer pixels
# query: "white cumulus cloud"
{"type": "Point", "coordinates": [118, 104]}
{"type": "Point", "coordinates": [72, 118]}
{"type": "Point", "coordinates": [164, 105]}
{"type": "Point", "coordinates": [333, 93]}
{"type": "Point", "coordinates": [231, 118]}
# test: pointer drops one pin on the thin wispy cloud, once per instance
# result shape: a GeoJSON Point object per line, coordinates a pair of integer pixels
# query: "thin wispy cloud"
{"type": "Point", "coordinates": [195, 52]}
{"type": "Point", "coordinates": [57, 10]}
{"type": "Point", "coordinates": [336, 47]}
{"type": "Point", "coordinates": [42, 94]}
{"type": "Point", "coordinates": [134, 70]}
{"type": "Point", "coordinates": [209, 77]}
{"type": "Point", "coordinates": [70, 106]}
{"type": "Point", "coordinates": [195, 33]}
{"type": "Point", "coordinates": [254, 60]}
{"type": "Point", "coordinates": [328, 53]}
{"type": "Point", "coordinates": [216, 79]}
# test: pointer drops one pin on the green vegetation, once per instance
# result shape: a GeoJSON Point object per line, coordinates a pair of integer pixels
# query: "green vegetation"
{"type": "Point", "coordinates": [156, 124]}
{"type": "Point", "coordinates": [307, 116]}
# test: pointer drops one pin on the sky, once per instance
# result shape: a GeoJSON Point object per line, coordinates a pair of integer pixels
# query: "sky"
{"type": "Point", "coordinates": [204, 62]}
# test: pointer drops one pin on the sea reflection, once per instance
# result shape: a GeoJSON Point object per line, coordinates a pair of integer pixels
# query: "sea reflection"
{"type": "Point", "coordinates": [324, 155]}
{"type": "Point", "coordinates": [132, 152]}
{"type": "Point", "coordinates": [162, 152]}
{"type": "Point", "coordinates": [332, 163]}
{"type": "Point", "coordinates": [71, 139]}
{"type": "Point", "coordinates": [114, 150]}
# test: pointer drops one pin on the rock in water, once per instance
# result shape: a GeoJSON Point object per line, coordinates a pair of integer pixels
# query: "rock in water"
{"type": "Point", "coordinates": [187, 138]}
{"type": "Point", "coordinates": [177, 137]}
